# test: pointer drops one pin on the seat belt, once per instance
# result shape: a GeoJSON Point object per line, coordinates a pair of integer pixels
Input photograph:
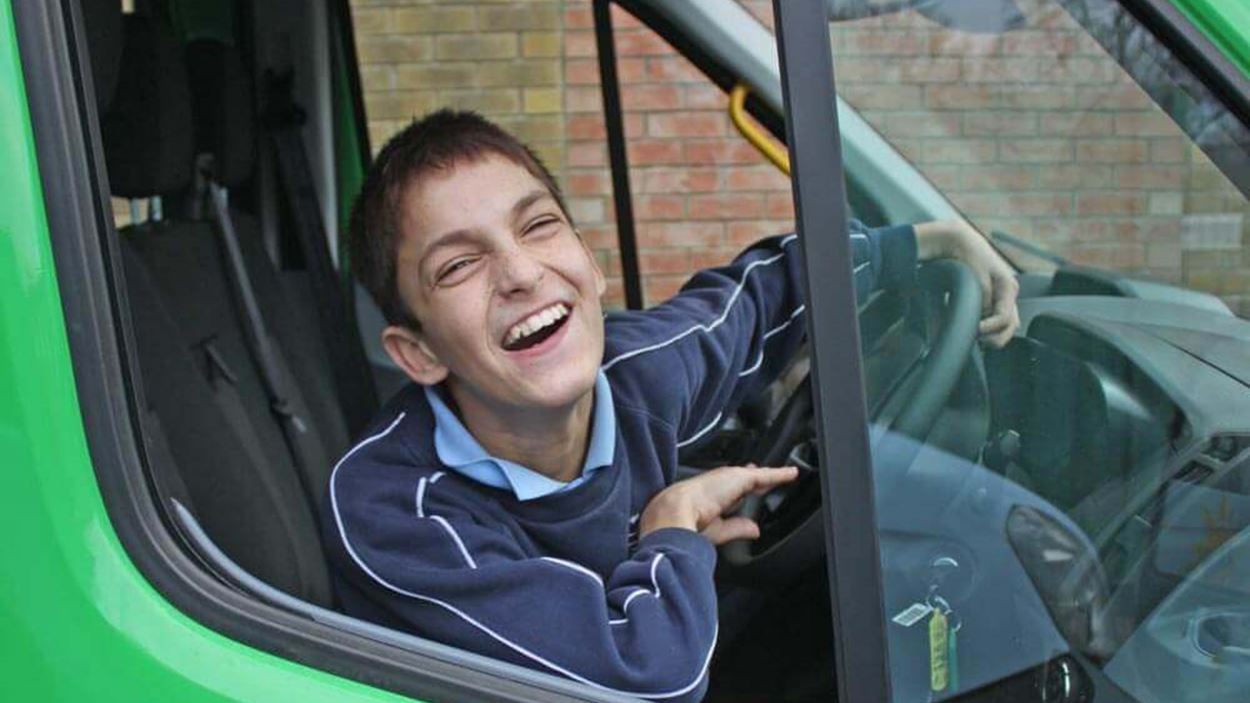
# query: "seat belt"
{"type": "Point", "coordinates": [283, 396]}
{"type": "Point", "coordinates": [353, 378]}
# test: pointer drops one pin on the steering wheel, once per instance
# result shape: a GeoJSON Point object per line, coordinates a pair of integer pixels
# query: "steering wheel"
{"type": "Point", "coordinates": [776, 559]}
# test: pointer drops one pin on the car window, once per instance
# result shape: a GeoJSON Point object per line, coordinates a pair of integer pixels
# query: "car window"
{"type": "Point", "coordinates": [1066, 127]}
{"type": "Point", "coordinates": [1069, 513]}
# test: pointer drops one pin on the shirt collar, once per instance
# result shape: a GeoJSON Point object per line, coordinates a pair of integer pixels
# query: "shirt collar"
{"type": "Point", "coordinates": [461, 452]}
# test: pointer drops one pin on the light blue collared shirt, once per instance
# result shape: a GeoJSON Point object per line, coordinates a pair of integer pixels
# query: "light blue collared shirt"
{"type": "Point", "coordinates": [462, 453]}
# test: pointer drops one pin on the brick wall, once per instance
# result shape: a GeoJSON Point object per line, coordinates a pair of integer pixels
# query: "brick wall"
{"type": "Point", "coordinates": [1040, 134]}
{"type": "Point", "coordinates": [700, 193]}
{"type": "Point", "coordinates": [1034, 132]}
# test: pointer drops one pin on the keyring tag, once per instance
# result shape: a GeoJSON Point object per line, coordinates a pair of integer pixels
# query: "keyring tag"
{"type": "Point", "coordinates": [939, 652]}
{"type": "Point", "coordinates": [912, 614]}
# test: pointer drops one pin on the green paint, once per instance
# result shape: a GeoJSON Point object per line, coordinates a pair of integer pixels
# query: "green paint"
{"type": "Point", "coordinates": [79, 622]}
{"type": "Point", "coordinates": [1226, 23]}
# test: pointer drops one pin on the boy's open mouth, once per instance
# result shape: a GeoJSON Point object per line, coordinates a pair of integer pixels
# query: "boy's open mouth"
{"type": "Point", "coordinates": [536, 328]}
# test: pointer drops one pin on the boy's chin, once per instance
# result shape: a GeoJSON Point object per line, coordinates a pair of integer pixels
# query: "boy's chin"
{"type": "Point", "coordinates": [561, 390]}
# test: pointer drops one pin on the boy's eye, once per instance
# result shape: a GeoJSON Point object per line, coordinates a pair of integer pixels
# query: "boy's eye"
{"type": "Point", "coordinates": [542, 225]}
{"type": "Point", "coordinates": [454, 271]}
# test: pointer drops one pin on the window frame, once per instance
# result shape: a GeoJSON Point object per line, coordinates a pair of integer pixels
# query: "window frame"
{"type": "Point", "coordinates": [60, 95]}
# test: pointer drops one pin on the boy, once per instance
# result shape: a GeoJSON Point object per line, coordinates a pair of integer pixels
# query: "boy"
{"type": "Point", "coordinates": [518, 499]}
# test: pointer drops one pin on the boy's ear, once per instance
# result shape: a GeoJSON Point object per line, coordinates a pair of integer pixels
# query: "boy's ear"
{"type": "Point", "coordinates": [410, 352]}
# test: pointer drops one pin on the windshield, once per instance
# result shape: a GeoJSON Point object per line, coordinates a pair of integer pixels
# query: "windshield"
{"type": "Point", "coordinates": [1076, 515]}
{"type": "Point", "coordinates": [1063, 129]}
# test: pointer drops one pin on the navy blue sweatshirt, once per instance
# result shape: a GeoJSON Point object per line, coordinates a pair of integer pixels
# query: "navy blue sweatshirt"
{"type": "Point", "coordinates": [561, 583]}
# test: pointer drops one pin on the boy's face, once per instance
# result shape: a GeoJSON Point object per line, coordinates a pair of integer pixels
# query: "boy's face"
{"type": "Point", "coordinates": [506, 293]}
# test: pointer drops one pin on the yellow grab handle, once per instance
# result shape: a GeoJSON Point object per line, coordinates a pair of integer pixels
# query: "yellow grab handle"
{"type": "Point", "coordinates": [752, 133]}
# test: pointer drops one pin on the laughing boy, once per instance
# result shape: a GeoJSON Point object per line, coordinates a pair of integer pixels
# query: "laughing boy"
{"type": "Point", "coordinates": [518, 500]}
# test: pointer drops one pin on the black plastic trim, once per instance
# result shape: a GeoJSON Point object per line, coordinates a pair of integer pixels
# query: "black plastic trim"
{"type": "Point", "coordinates": [57, 75]}
{"type": "Point", "coordinates": [614, 120]}
{"type": "Point", "coordinates": [854, 562]}
{"type": "Point", "coordinates": [1196, 51]}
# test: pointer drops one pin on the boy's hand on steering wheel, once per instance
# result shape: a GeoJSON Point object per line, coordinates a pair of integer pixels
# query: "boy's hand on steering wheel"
{"type": "Point", "coordinates": [957, 239]}
{"type": "Point", "coordinates": [703, 502]}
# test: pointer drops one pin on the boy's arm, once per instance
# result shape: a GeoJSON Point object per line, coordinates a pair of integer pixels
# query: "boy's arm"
{"type": "Point", "coordinates": [733, 329]}
{"type": "Point", "coordinates": [645, 630]}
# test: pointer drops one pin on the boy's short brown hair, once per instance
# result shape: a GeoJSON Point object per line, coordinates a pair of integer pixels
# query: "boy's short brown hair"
{"type": "Point", "coordinates": [436, 142]}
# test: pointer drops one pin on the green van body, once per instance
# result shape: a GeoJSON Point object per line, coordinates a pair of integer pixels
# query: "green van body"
{"type": "Point", "coordinates": [78, 621]}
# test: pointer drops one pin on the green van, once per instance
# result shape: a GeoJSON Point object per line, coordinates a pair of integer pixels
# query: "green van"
{"type": "Point", "coordinates": [1065, 519]}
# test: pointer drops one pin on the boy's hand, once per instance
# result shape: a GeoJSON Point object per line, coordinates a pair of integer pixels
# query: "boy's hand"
{"type": "Point", "coordinates": [700, 503]}
{"type": "Point", "coordinates": [958, 240]}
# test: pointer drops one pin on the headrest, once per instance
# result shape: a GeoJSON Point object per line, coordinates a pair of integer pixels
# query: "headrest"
{"type": "Point", "coordinates": [102, 21]}
{"type": "Point", "coordinates": [221, 104]}
{"type": "Point", "coordinates": [147, 130]}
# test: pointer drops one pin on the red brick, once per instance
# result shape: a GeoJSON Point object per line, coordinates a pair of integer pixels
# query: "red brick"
{"type": "Point", "coordinates": [641, 43]}
{"type": "Point", "coordinates": [660, 207]}
{"type": "Point", "coordinates": [919, 124]}
{"type": "Point", "coordinates": [725, 207]}
{"type": "Point", "coordinates": [582, 99]}
{"type": "Point", "coordinates": [632, 70]}
{"type": "Point", "coordinates": [673, 68]}
{"type": "Point", "coordinates": [708, 258]}
{"type": "Point", "coordinates": [1112, 151]}
{"type": "Point", "coordinates": [997, 178]}
{"type": "Point", "coordinates": [1145, 124]}
{"type": "Point", "coordinates": [1017, 204]}
{"type": "Point", "coordinates": [649, 152]}
{"type": "Point", "coordinates": [1076, 124]}
{"type": "Point", "coordinates": [592, 153]}
{"type": "Point", "coordinates": [961, 97]}
{"type": "Point", "coordinates": [1110, 203]}
{"type": "Point", "coordinates": [1069, 176]}
{"type": "Point", "coordinates": [757, 178]}
{"type": "Point", "coordinates": [964, 44]}
{"type": "Point", "coordinates": [780, 206]}
{"type": "Point", "coordinates": [721, 151]}
{"type": "Point", "coordinates": [650, 97]}
{"type": "Point", "coordinates": [681, 234]}
{"type": "Point", "coordinates": [581, 72]}
{"type": "Point", "coordinates": [586, 127]}
{"type": "Point", "coordinates": [686, 124]}
{"type": "Point", "coordinates": [888, 43]}
{"type": "Point", "coordinates": [1152, 176]}
{"type": "Point", "coordinates": [1035, 151]}
{"type": "Point", "coordinates": [623, 20]}
{"type": "Point", "coordinates": [744, 233]}
{"type": "Point", "coordinates": [1037, 43]}
{"type": "Point", "coordinates": [580, 44]}
{"type": "Point", "coordinates": [959, 151]}
{"type": "Point", "coordinates": [600, 237]}
{"type": "Point", "coordinates": [996, 70]}
{"type": "Point", "coordinates": [889, 97]}
{"type": "Point", "coordinates": [653, 261]}
{"type": "Point", "coordinates": [706, 97]}
{"type": "Point", "coordinates": [1112, 97]}
{"type": "Point", "coordinates": [931, 71]}
{"type": "Point", "coordinates": [662, 287]}
{"type": "Point", "coordinates": [579, 16]}
{"type": "Point", "coordinates": [688, 180]}
{"type": "Point", "coordinates": [592, 183]}
{"type": "Point", "coordinates": [1167, 150]}
{"type": "Point", "coordinates": [1005, 123]}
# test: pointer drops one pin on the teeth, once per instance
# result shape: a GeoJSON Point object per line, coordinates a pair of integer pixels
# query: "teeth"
{"type": "Point", "coordinates": [536, 322]}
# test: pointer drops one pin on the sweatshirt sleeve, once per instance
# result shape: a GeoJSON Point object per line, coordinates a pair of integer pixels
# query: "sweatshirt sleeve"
{"type": "Point", "coordinates": [646, 630]}
{"type": "Point", "coordinates": [733, 329]}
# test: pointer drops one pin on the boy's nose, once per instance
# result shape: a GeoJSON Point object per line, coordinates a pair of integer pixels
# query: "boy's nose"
{"type": "Point", "coordinates": [517, 271]}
